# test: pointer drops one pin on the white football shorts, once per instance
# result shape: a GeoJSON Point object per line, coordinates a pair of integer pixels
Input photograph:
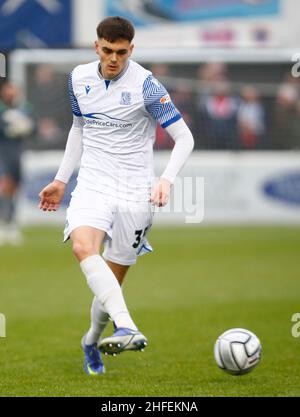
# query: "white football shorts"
{"type": "Point", "coordinates": [126, 223]}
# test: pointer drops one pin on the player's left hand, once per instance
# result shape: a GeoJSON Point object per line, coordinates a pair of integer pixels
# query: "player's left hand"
{"type": "Point", "coordinates": [161, 193]}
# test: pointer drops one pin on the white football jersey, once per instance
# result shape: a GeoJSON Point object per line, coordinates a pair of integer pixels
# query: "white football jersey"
{"type": "Point", "coordinates": [120, 117]}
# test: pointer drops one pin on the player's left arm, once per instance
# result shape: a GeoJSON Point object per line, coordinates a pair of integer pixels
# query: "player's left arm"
{"type": "Point", "coordinates": [184, 144]}
{"type": "Point", "coordinates": [159, 104]}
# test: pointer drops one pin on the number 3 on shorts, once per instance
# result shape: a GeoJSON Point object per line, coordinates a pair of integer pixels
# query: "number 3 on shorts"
{"type": "Point", "coordinates": [139, 235]}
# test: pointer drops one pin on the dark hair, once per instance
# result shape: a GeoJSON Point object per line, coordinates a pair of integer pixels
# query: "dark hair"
{"type": "Point", "coordinates": [115, 27]}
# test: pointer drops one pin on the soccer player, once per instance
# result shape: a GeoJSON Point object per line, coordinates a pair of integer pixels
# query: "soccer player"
{"type": "Point", "coordinates": [15, 127]}
{"type": "Point", "coordinates": [116, 104]}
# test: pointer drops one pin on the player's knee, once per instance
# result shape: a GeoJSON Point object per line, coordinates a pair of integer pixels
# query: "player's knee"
{"type": "Point", "coordinates": [83, 249]}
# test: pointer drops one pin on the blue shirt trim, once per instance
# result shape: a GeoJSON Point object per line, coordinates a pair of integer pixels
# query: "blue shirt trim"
{"type": "Point", "coordinates": [171, 121]}
{"type": "Point", "coordinates": [74, 103]}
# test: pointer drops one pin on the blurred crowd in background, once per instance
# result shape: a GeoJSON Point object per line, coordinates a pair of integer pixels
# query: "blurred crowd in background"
{"type": "Point", "coordinates": [245, 104]}
{"type": "Point", "coordinates": [228, 107]}
{"type": "Point", "coordinates": [227, 111]}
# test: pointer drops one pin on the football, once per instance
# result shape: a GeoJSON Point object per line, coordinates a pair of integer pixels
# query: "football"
{"type": "Point", "coordinates": [237, 351]}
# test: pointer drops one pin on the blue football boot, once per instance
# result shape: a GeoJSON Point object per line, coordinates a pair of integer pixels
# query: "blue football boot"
{"type": "Point", "coordinates": [123, 339]}
{"type": "Point", "coordinates": [93, 364]}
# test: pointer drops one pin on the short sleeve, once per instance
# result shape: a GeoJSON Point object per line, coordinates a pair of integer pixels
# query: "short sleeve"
{"type": "Point", "coordinates": [158, 102]}
{"type": "Point", "coordinates": [74, 103]}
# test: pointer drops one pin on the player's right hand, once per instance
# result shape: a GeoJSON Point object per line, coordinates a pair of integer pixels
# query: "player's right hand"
{"type": "Point", "coordinates": [51, 196]}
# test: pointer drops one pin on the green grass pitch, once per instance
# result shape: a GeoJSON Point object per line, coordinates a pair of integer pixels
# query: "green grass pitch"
{"type": "Point", "coordinates": [199, 282]}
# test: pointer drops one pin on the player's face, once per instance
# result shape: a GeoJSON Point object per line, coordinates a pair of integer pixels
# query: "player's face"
{"type": "Point", "coordinates": [113, 56]}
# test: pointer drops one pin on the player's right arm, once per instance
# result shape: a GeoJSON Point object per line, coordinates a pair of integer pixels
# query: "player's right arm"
{"type": "Point", "coordinates": [52, 194]}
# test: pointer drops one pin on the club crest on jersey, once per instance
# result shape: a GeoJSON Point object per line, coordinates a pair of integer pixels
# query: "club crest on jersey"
{"type": "Point", "coordinates": [87, 88]}
{"type": "Point", "coordinates": [125, 98]}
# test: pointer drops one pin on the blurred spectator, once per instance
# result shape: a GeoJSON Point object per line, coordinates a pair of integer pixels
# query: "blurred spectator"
{"type": "Point", "coordinates": [183, 99]}
{"type": "Point", "coordinates": [52, 115]}
{"type": "Point", "coordinates": [15, 126]}
{"type": "Point", "coordinates": [49, 135]}
{"type": "Point", "coordinates": [160, 70]}
{"type": "Point", "coordinates": [217, 121]}
{"type": "Point", "coordinates": [251, 119]}
{"type": "Point", "coordinates": [210, 73]}
{"type": "Point", "coordinates": [286, 122]}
